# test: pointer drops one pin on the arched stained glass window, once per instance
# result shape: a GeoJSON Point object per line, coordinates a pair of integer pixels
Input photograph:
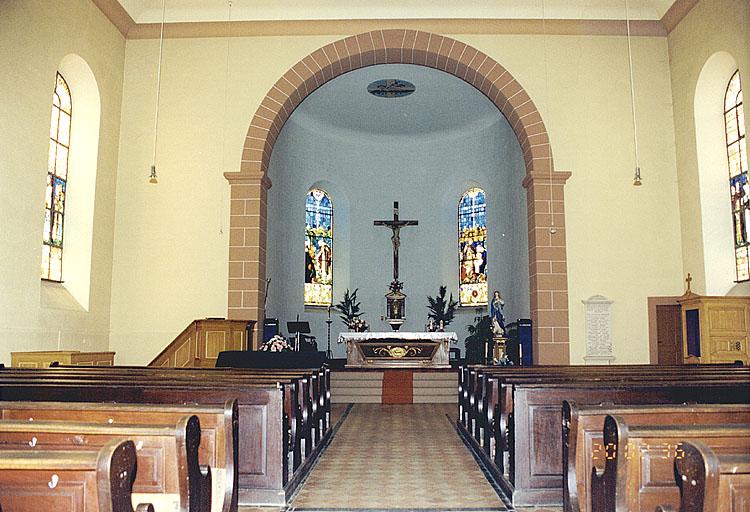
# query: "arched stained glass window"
{"type": "Point", "coordinates": [472, 248]}
{"type": "Point", "coordinates": [318, 249]}
{"type": "Point", "coordinates": [57, 178]}
{"type": "Point", "coordinates": [734, 119]}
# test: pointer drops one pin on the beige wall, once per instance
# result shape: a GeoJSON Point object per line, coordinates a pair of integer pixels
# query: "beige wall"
{"type": "Point", "coordinates": [711, 26]}
{"type": "Point", "coordinates": [35, 36]}
{"type": "Point", "coordinates": [170, 260]}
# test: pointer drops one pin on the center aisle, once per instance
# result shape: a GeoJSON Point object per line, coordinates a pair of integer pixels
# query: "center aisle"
{"type": "Point", "coordinates": [397, 457]}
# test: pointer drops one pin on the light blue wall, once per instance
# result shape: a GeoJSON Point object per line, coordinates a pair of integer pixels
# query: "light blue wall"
{"type": "Point", "coordinates": [364, 172]}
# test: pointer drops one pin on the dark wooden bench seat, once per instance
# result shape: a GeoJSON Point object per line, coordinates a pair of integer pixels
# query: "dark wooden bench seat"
{"type": "Point", "coordinates": [213, 446]}
{"type": "Point", "coordinates": [479, 387]}
{"type": "Point", "coordinates": [169, 475]}
{"type": "Point", "coordinates": [73, 481]}
{"type": "Point", "coordinates": [479, 410]}
{"type": "Point", "coordinates": [710, 481]}
{"type": "Point", "coordinates": [583, 444]}
{"type": "Point", "coordinates": [306, 396]}
{"type": "Point", "coordinates": [307, 393]}
{"type": "Point", "coordinates": [264, 437]}
{"type": "Point", "coordinates": [519, 437]}
{"type": "Point", "coordinates": [638, 471]}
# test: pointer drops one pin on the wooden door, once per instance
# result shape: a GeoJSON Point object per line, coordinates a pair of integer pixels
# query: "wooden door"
{"type": "Point", "coordinates": [669, 334]}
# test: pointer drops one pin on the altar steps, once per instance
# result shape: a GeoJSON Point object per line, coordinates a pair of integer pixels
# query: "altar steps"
{"type": "Point", "coordinates": [428, 387]}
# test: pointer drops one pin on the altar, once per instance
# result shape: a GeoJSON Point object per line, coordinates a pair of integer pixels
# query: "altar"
{"type": "Point", "coordinates": [396, 349]}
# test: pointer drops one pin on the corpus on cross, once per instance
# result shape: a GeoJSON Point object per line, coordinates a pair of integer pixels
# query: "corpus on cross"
{"type": "Point", "coordinates": [396, 224]}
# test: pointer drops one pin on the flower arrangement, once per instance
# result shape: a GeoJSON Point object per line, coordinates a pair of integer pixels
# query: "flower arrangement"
{"type": "Point", "coordinates": [358, 325]}
{"type": "Point", "coordinates": [349, 309]}
{"type": "Point", "coordinates": [276, 344]}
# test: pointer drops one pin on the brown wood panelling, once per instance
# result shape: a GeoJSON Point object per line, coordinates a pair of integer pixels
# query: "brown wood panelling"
{"type": "Point", "coordinates": [199, 344]}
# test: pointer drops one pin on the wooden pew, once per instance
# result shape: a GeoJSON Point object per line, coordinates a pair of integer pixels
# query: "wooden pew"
{"type": "Point", "coordinates": [478, 387]}
{"type": "Point", "coordinates": [263, 438]}
{"type": "Point", "coordinates": [490, 422]}
{"type": "Point", "coordinates": [306, 397]}
{"type": "Point", "coordinates": [470, 376]}
{"type": "Point", "coordinates": [639, 462]}
{"type": "Point", "coordinates": [584, 449]}
{"type": "Point", "coordinates": [214, 446]}
{"type": "Point", "coordinates": [711, 482]}
{"type": "Point", "coordinates": [480, 412]}
{"type": "Point", "coordinates": [167, 455]}
{"type": "Point", "coordinates": [307, 402]}
{"type": "Point", "coordinates": [73, 481]}
{"type": "Point", "coordinates": [527, 420]}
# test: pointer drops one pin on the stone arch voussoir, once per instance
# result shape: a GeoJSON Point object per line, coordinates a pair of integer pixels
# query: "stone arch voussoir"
{"type": "Point", "coordinates": [544, 185]}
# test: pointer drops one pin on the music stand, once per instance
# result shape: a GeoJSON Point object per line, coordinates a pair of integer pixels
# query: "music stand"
{"type": "Point", "coordinates": [298, 328]}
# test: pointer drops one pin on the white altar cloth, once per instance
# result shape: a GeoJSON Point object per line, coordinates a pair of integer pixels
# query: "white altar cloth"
{"type": "Point", "coordinates": [395, 349]}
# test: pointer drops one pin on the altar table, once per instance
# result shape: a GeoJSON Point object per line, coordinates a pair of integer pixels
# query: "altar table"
{"type": "Point", "coordinates": [394, 349]}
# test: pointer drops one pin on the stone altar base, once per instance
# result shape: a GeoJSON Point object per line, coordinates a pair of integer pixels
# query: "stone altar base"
{"type": "Point", "coordinates": [397, 349]}
{"type": "Point", "coordinates": [353, 386]}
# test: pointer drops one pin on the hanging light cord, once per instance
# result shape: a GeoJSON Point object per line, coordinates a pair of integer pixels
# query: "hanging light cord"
{"type": "Point", "coordinates": [226, 102]}
{"type": "Point", "coordinates": [158, 86]}
{"type": "Point", "coordinates": [637, 179]}
{"type": "Point", "coordinates": [552, 228]}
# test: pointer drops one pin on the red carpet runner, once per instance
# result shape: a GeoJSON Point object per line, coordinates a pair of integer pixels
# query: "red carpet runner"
{"type": "Point", "coordinates": [398, 387]}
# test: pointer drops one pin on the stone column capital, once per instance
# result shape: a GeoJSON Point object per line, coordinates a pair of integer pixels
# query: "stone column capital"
{"type": "Point", "coordinates": [245, 178]}
{"type": "Point", "coordinates": [545, 178]}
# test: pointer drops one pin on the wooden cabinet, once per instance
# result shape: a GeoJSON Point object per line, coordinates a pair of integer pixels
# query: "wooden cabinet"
{"type": "Point", "coordinates": [65, 357]}
{"type": "Point", "coordinates": [715, 329]}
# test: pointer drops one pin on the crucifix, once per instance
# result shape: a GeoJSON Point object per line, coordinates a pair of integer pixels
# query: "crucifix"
{"type": "Point", "coordinates": [396, 224]}
{"type": "Point", "coordinates": [395, 300]}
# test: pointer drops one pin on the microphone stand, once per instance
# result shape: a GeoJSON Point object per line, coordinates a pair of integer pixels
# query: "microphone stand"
{"type": "Point", "coordinates": [329, 354]}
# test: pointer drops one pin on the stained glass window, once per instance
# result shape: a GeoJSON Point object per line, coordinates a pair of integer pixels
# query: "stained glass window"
{"type": "Point", "coordinates": [57, 178]}
{"type": "Point", "coordinates": [472, 248]}
{"type": "Point", "coordinates": [318, 249]}
{"type": "Point", "coordinates": [734, 122]}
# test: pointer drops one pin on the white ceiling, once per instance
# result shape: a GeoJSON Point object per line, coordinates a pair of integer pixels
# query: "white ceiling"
{"type": "Point", "coordinates": [440, 103]}
{"type": "Point", "coordinates": [150, 11]}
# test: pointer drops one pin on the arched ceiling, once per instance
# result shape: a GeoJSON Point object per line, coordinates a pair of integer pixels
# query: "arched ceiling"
{"type": "Point", "coordinates": [150, 11]}
{"type": "Point", "coordinates": [441, 103]}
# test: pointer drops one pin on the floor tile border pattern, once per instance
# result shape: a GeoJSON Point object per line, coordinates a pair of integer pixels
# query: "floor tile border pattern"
{"type": "Point", "coordinates": [466, 509]}
{"type": "Point", "coordinates": [320, 453]}
{"type": "Point", "coordinates": [487, 474]}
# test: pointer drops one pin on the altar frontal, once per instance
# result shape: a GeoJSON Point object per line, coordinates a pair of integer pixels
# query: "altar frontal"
{"type": "Point", "coordinates": [397, 349]}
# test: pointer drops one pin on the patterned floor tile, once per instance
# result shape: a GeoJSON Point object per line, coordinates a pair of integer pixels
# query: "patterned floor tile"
{"type": "Point", "coordinates": [397, 458]}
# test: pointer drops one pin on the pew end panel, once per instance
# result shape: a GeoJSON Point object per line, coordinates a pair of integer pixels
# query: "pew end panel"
{"type": "Point", "coordinates": [80, 481]}
{"type": "Point", "coordinates": [639, 467]}
{"type": "Point", "coordinates": [211, 438]}
{"type": "Point", "coordinates": [583, 447]}
{"type": "Point", "coordinates": [166, 464]}
{"type": "Point", "coordinates": [711, 482]}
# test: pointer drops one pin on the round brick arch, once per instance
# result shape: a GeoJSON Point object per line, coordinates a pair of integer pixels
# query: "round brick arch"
{"type": "Point", "coordinates": [544, 185]}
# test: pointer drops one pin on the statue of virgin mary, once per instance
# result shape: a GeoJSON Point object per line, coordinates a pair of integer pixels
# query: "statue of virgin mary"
{"type": "Point", "coordinates": [496, 314]}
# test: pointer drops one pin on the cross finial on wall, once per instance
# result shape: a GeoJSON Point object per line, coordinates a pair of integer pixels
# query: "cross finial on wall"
{"type": "Point", "coordinates": [688, 280]}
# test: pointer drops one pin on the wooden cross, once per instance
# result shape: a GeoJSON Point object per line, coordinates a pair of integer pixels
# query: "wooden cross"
{"type": "Point", "coordinates": [396, 226]}
{"type": "Point", "coordinates": [688, 280]}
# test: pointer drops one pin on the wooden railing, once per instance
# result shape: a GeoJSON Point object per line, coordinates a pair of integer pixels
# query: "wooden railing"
{"type": "Point", "coordinates": [199, 344]}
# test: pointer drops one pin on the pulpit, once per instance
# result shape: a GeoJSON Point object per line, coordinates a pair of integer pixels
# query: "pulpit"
{"type": "Point", "coordinates": [397, 349]}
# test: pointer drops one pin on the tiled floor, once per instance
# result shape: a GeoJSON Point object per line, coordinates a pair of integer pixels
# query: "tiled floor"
{"type": "Point", "coordinates": [396, 458]}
